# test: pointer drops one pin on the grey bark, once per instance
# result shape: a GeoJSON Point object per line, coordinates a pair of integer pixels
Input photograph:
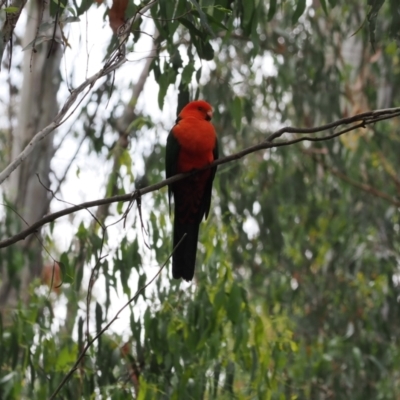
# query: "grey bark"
{"type": "Point", "coordinates": [37, 108]}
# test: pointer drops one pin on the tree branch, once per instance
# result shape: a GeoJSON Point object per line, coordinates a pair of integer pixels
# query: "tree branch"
{"type": "Point", "coordinates": [9, 26]}
{"type": "Point", "coordinates": [363, 186]}
{"type": "Point", "coordinates": [364, 119]}
{"type": "Point", "coordinates": [315, 153]}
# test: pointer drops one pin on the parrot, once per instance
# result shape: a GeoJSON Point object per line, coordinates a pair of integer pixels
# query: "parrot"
{"type": "Point", "coordinates": [191, 144]}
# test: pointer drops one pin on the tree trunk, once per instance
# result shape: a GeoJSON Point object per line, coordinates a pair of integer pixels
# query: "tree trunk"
{"type": "Point", "coordinates": [37, 107]}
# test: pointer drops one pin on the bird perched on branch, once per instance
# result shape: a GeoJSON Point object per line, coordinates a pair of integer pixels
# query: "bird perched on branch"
{"type": "Point", "coordinates": [191, 144]}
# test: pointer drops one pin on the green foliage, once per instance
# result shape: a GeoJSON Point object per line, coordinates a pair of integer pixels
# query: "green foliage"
{"type": "Point", "coordinates": [297, 285]}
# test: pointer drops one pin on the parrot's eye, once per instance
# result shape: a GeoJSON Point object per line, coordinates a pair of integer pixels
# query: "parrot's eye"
{"type": "Point", "coordinates": [200, 108]}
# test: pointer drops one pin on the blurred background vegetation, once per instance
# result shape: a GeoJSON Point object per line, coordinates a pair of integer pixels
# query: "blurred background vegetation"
{"type": "Point", "coordinates": [297, 280]}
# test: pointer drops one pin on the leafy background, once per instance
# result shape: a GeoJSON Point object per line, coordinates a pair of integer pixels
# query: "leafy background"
{"type": "Point", "coordinates": [297, 282]}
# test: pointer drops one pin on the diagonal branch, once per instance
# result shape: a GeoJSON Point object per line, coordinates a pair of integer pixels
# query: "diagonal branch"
{"type": "Point", "coordinates": [363, 120]}
{"type": "Point", "coordinates": [314, 154]}
{"type": "Point", "coordinates": [114, 63]}
{"type": "Point", "coordinates": [58, 120]}
{"type": "Point", "coordinates": [366, 188]}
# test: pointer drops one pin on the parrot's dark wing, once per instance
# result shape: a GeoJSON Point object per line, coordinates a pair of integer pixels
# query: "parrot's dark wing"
{"type": "Point", "coordinates": [171, 161]}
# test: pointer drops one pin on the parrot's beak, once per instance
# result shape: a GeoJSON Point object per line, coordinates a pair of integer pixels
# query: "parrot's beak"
{"type": "Point", "coordinates": [209, 115]}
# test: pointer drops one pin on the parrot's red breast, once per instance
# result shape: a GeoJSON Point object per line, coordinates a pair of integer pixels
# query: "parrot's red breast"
{"type": "Point", "coordinates": [196, 136]}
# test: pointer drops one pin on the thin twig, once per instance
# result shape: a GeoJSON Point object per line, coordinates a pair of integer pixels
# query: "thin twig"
{"type": "Point", "coordinates": [66, 202]}
{"type": "Point", "coordinates": [90, 342]}
{"type": "Point", "coordinates": [62, 179]}
{"type": "Point", "coordinates": [53, 38]}
{"type": "Point", "coordinates": [92, 281]}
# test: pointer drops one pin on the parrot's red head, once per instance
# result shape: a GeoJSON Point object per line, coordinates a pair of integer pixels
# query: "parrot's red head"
{"type": "Point", "coordinates": [197, 109]}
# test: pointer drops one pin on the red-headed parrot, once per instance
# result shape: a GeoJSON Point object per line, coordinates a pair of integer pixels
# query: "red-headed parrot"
{"type": "Point", "coordinates": [191, 144]}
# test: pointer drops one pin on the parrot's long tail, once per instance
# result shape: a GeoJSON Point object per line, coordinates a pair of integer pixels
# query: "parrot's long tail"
{"type": "Point", "coordinates": [184, 257]}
